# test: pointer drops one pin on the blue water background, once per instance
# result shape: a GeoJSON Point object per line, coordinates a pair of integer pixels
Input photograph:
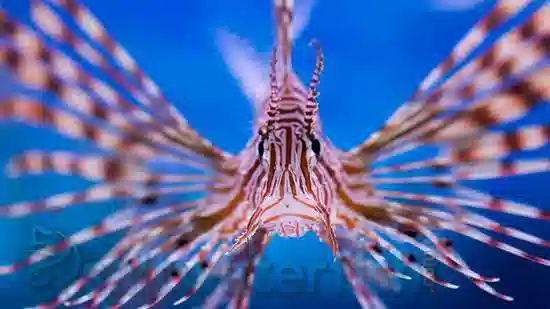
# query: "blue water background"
{"type": "Point", "coordinates": [376, 54]}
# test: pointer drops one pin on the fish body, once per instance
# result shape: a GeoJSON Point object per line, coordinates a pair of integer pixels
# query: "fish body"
{"type": "Point", "coordinates": [289, 179]}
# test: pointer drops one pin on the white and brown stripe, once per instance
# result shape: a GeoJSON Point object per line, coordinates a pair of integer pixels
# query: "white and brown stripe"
{"type": "Point", "coordinates": [59, 70]}
{"type": "Point", "coordinates": [511, 54]}
{"type": "Point", "coordinates": [148, 91]}
{"type": "Point", "coordinates": [289, 179]}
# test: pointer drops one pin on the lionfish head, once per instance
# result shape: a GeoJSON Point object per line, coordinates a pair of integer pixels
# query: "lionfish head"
{"type": "Point", "coordinates": [288, 197]}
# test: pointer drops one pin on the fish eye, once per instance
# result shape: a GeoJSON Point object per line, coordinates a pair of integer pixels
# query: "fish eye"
{"type": "Point", "coordinates": [261, 148]}
{"type": "Point", "coordinates": [316, 146]}
{"type": "Point", "coordinates": [262, 153]}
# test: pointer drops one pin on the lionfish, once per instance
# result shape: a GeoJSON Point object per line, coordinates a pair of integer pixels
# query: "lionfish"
{"type": "Point", "coordinates": [289, 179]}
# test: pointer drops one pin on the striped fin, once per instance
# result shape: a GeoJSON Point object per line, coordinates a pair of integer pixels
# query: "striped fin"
{"type": "Point", "coordinates": [457, 114]}
{"type": "Point", "coordinates": [207, 264]}
{"type": "Point", "coordinates": [502, 11]}
{"type": "Point", "coordinates": [70, 124]}
{"type": "Point", "coordinates": [97, 93]}
{"type": "Point", "coordinates": [420, 269]}
{"type": "Point", "coordinates": [479, 236]}
{"type": "Point", "coordinates": [366, 297]}
{"type": "Point", "coordinates": [109, 225]}
{"type": "Point", "coordinates": [352, 248]}
{"type": "Point", "coordinates": [380, 242]}
{"type": "Point", "coordinates": [101, 192]}
{"type": "Point", "coordinates": [508, 105]}
{"type": "Point", "coordinates": [117, 253]}
{"type": "Point", "coordinates": [476, 171]}
{"type": "Point", "coordinates": [482, 157]}
{"type": "Point", "coordinates": [474, 233]}
{"type": "Point", "coordinates": [96, 193]}
{"type": "Point", "coordinates": [236, 274]}
{"type": "Point", "coordinates": [481, 282]}
{"type": "Point", "coordinates": [129, 263]}
{"type": "Point", "coordinates": [497, 69]}
{"type": "Point", "coordinates": [445, 257]}
{"type": "Point", "coordinates": [500, 14]}
{"type": "Point", "coordinates": [53, 71]}
{"type": "Point", "coordinates": [133, 262]}
{"type": "Point", "coordinates": [238, 286]}
{"type": "Point", "coordinates": [441, 250]}
{"type": "Point", "coordinates": [212, 262]}
{"type": "Point", "coordinates": [511, 55]}
{"type": "Point", "coordinates": [52, 25]}
{"type": "Point", "coordinates": [500, 60]}
{"type": "Point", "coordinates": [219, 296]}
{"type": "Point", "coordinates": [465, 170]}
{"type": "Point", "coordinates": [491, 170]}
{"type": "Point", "coordinates": [424, 219]}
{"type": "Point", "coordinates": [500, 105]}
{"type": "Point", "coordinates": [487, 203]}
{"type": "Point", "coordinates": [177, 274]}
{"type": "Point", "coordinates": [33, 113]}
{"type": "Point", "coordinates": [176, 279]}
{"type": "Point", "coordinates": [92, 167]}
{"type": "Point", "coordinates": [110, 110]}
{"type": "Point", "coordinates": [455, 263]}
{"type": "Point", "coordinates": [501, 144]}
{"type": "Point", "coordinates": [207, 257]}
{"type": "Point", "coordinates": [27, 50]}
{"type": "Point", "coordinates": [131, 78]}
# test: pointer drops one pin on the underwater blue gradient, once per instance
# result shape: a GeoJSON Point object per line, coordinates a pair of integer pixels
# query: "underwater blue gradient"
{"type": "Point", "coordinates": [376, 54]}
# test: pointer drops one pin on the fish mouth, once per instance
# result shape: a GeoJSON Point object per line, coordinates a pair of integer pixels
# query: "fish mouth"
{"type": "Point", "coordinates": [291, 224]}
{"type": "Point", "coordinates": [290, 217]}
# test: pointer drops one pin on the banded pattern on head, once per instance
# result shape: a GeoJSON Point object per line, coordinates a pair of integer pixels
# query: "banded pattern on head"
{"type": "Point", "coordinates": [289, 194]}
{"type": "Point", "coordinates": [289, 179]}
